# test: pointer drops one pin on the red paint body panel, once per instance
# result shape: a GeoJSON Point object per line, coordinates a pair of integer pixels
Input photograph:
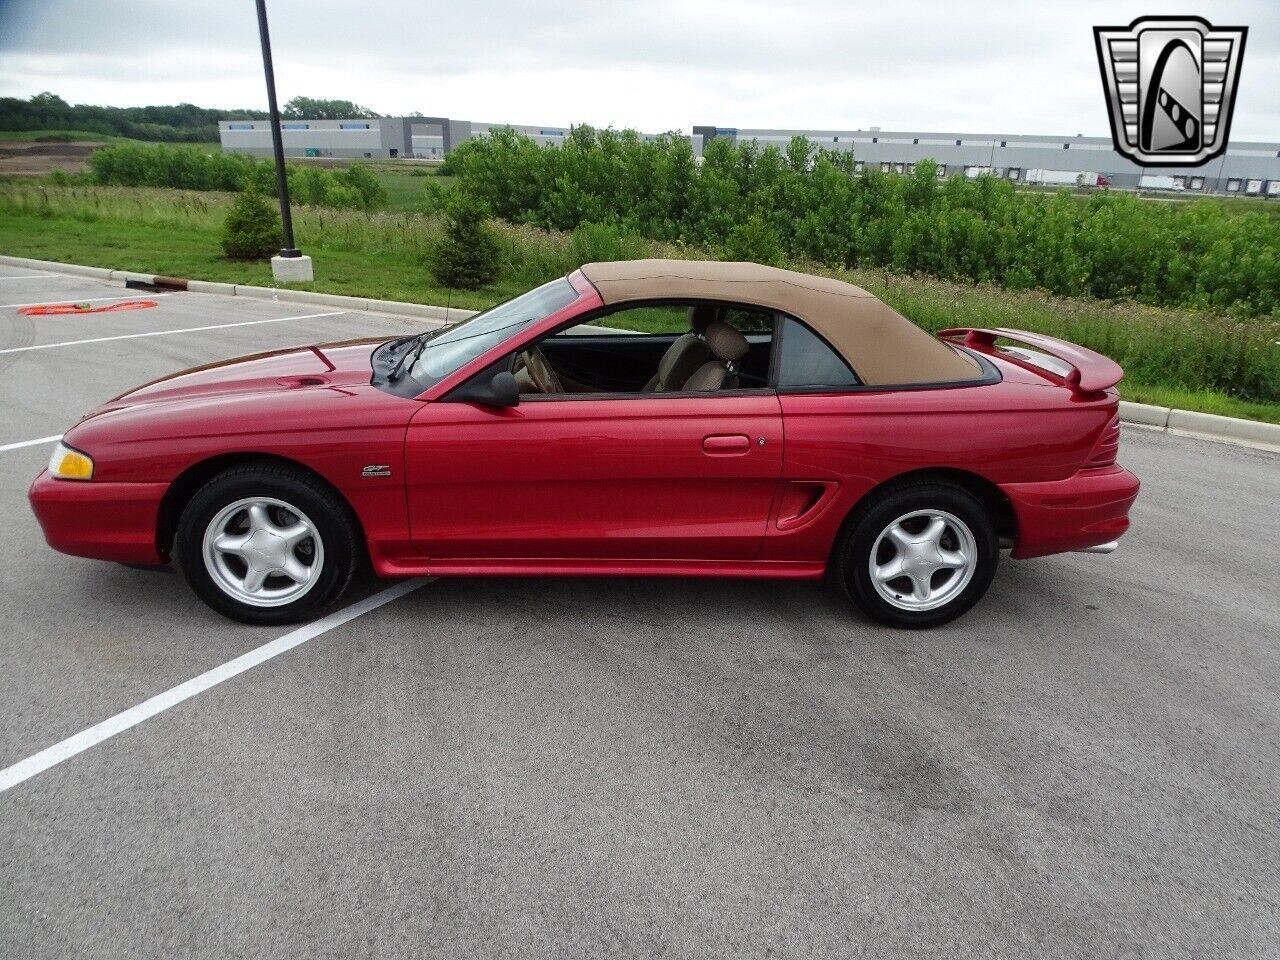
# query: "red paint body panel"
{"type": "Point", "coordinates": [652, 484]}
{"type": "Point", "coordinates": [104, 521]}
{"type": "Point", "coordinates": [625, 478]}
{"type": "Point", "coordinates": [1084, 510]}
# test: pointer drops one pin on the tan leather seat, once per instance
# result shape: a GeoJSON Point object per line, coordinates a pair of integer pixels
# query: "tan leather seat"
{"type": "Point", "coordinates": [728, 346]}
{"type": "Point", "coordinates": [686, 354]}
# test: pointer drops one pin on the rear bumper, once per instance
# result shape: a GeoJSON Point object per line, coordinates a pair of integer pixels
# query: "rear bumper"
{"type": "Point", "coordinates": [104, 521]}
{"type": "Point", "coordinates": [1085, 510]}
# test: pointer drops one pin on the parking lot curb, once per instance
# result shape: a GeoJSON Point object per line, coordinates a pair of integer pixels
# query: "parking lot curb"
{"type": "Point", "coordinates": [97, 273]}
{"type": "Point", "coordinates": [1249, 433]}
{"type": "Point", "coordinates": [1143, 414]}
{"type": "Point", "coordinates": [1188, 423]}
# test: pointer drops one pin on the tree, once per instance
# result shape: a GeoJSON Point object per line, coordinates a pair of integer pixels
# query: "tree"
{"type": "Point", "coordinates": [311, 108]}
{"type": "Point", "coordinates": [754, 241]}
{"type": "Point", "coordinates": [252, 228]}
{"type": "Point", "coordinates": [469, 255]}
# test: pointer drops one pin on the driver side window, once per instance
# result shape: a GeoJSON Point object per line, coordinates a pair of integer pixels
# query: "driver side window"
{"type": "Point", "coordinates": [652, 348]}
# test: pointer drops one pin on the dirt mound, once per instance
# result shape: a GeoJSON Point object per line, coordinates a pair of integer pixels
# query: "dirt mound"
{"type": "Point", "coordinates": [41, 156]}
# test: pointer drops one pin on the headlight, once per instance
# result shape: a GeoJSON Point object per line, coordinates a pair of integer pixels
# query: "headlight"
{"type": "Point", "coordinates": [68, 464]}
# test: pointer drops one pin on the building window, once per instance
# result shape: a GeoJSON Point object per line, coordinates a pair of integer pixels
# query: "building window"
{"type": "Point", "coordinates": [875, 139]}
{"type": "Point", "coordinates": [551, 133]}
{"type": "Point", "coordinates": [916, 140]}
{"type": "Point", "coordinates": [899, 168]}
{"type": "Point", "coordinates": [295, 126]}
{"type": "Point", "coordinates": [1197, 183]}
{"type": "Point", "coordinates": [942, 170]}
{"type": "Point", "coordinates": [1066, 146]}
{"type": "Point", "coordinates": [835, 139]}
{"type": "Point", "coordinates": [958, 143]}
{"type": "Point", "coordinates": [1004, 143]}
{"type": "Point", "coordinates": [1015, 173]}
{"type": "Point", "coordinates": [911, 168]}
{"type": "Point", "coordinates": [353, 126]}
{"type": "Point", "coordinates": [886, 167]}
{"type": "Point", "coordinates": [240, 126]}
{"type": "Point", "coordinates": [859, 166]}
{"type": "Point", "coordinates": [1233, 185]}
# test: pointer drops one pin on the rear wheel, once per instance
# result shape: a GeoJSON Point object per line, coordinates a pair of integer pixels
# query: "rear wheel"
{"type": "Point", "coordinates": [918, 556]}
{"type": "Point", "coordinates": [267, 544]}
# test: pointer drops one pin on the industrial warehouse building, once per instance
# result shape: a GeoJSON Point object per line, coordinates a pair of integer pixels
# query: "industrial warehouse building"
{"type": "Point", "coordinates": [424, 138]}
{"type": "Point", "coordinates": [1246, 169]}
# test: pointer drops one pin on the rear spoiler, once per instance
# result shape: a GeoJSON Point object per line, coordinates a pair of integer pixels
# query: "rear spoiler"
{"type": "Point", "coordinates": [1090, 372]}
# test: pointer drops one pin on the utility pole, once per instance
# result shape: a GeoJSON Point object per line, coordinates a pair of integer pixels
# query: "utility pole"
{"type": "Point", "coordinates": [290, 264]}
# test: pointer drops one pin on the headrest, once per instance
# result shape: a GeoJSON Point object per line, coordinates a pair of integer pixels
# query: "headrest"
{"type": "Point", "coordinates": [700, 316]}
{"type": "Point", "coordinates": [725, 342]}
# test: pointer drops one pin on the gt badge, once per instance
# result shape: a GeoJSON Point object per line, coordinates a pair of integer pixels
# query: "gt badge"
{"type": "Point", "coordinates": [376, 470]}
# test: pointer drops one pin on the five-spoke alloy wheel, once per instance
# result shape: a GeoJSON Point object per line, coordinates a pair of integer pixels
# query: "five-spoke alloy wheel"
{"type": "Point", "coordinates": [267, 543]}
{"type": "Point", "coordinates": [919, 555]}
{"type": "Point", "coordinates": [263, 551]}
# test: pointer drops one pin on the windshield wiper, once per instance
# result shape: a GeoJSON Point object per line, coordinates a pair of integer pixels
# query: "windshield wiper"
{"type": "Point", "coordinates": [401, 368]}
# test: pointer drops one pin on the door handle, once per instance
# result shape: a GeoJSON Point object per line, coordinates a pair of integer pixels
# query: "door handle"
{"type": "Point", "coordinates": [726, 444]}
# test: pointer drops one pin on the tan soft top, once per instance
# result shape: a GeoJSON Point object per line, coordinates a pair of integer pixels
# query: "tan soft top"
{"type": "Point", "coordinates": [881, 345]}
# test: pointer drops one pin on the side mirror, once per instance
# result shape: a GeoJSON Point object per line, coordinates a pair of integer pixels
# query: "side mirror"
{"type": "Point", "coordinates": [501, 390]}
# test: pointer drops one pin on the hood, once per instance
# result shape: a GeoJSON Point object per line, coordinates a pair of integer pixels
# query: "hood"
{"type": "Point", "coordinates": [323, 365]}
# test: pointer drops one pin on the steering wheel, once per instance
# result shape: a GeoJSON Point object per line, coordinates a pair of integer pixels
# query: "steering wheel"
{"type": "Point", "coordinates": [540, 372]}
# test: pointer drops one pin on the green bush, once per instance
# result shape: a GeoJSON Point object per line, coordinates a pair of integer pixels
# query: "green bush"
{"type": "Point", "coordinates": [603, 242]}
{"type": "Point", "coordinates": [468, 255]}
{"type": "Point", "coordinates": [754, 241]}
{"type": "Point", "coordinates": [372, 194]}
{"type": "Point", "coordinates": [809, 203]}
{"type": "Point", "coordinates": [251, 230]}
{"type": "Point", "coordinates": [191, 168]}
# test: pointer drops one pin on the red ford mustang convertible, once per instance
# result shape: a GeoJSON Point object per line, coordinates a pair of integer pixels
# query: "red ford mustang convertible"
{"type": "Point", "coordinates": [748, 422]}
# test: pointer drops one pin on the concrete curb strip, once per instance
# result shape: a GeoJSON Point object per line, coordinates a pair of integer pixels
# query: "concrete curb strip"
{"type": "Point", "coordinates": [1250, 433]}
{"type": "Point", "coordinates": [1205, 426]}
{"type": "Point", "coordinates": [98, 273]}
{"type": "Point", "coordinates": [211, 286]}
{"type": "Point", "coordinates": [1144, 414]}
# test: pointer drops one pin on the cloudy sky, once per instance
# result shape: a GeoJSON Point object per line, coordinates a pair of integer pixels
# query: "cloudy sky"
{"type": "Point", "coordinates": [656, 65]}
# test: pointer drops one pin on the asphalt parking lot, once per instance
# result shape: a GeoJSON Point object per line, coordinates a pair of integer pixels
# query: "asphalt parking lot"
{"type": "Point", "coordinates": [1088, 764]}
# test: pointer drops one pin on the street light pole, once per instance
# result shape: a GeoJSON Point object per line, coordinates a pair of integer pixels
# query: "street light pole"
{"type": "Point", "coordinates": [289, 252]}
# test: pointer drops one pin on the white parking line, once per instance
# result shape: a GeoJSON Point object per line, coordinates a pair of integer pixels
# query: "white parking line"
{"type": "Point", "coordinates": [65, 302]}
{"type": "Point", "coordinates": [165, 333]}
{"type": "Point", "coordinates": [29, 443]}
{"type": "Point", "coordinates": [78, 743]}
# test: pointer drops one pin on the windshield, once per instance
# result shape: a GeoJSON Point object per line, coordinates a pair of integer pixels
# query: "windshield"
{"type": "Point", "coordinates": [449, 350]}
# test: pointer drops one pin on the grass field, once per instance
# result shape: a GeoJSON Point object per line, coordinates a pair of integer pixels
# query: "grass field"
{"type": "Point", "coordinates": [383, 255]}
{"type": "Point", "coordinates": [29, 135]}
{"type": "Point", "coordinates": [407, 187]}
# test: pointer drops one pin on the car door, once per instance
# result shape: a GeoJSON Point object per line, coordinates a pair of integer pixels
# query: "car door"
{"type": "Point", "coordinates": [597, 477]}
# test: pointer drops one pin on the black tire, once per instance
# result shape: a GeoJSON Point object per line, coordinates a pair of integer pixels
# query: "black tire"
{"type": "Point", "coordinates": [305, 493]}
{"type": "Point", "coordinates": [863, 531]}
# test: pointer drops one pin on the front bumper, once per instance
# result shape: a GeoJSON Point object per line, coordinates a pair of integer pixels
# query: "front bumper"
{"type": "Point", "coordinates": [104, 521]}
{"type": "Point", "coordinates": [1086, 510]}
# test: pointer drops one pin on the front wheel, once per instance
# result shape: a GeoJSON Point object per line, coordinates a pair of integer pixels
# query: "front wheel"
{"type": "Point", "coordinates": [918, 556]}
{"type": "Point", "coordinates": [267, 544]}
